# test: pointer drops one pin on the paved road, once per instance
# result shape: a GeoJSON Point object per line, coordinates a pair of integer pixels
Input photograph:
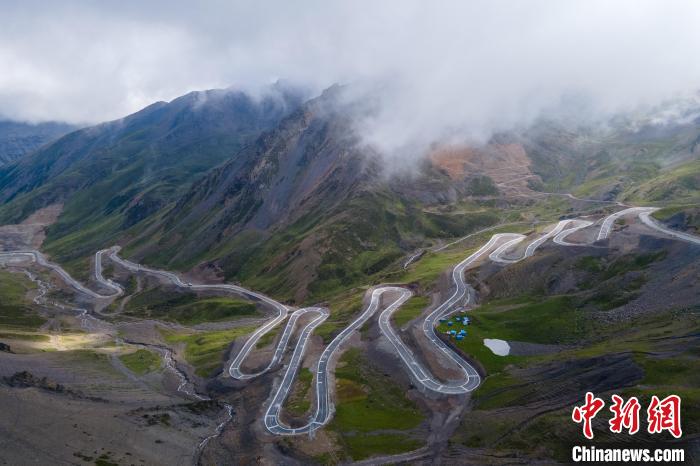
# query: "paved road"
{"type": "Point", "coordinates": [235, 368]}
{"type": "Point", "coordinates": [576, 225]}
{"type": "Point", "coordinates": [646, 218]}
{"type": "Point", "coordinates": [176, 280]}
{"type": "Point", "coordinates": [413, 258]}
{"type": "Point", "coordinates": [272, 415]}
{"type": "Point", "coordinates": [461, 296]}
{"type": "Point", "coordinates": [497, 255]}
{"type": "Point", "coordinates": [505, 242]}
{"type": "Point", "coordinates": [560, 233]}
{"type": "Point", "coordinates": [498, 245]}
{"type": "Point", "coordinates": [41, 260]}
{"type": "Point", "coordinates": [282, 311]}
{"type": "Point", "coordinates": [324, 404]}
{"type": "Point", "coordinates": [118, 290]}
{"type": "Point", "coordinates": [608, 223]}
{"type": "Point", "coordinates": [272, 421]}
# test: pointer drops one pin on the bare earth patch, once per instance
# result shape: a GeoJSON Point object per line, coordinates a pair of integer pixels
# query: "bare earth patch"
{"type": "Point", "coordinates": [29, 234]}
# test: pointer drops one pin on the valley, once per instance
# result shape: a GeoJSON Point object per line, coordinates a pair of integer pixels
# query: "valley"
{"type": "Point", "coordinates": [433, 350]}
{"type": "Point", "coordinates": [346, 233]}
{"type": "Point", "coordinates": [240, 280]}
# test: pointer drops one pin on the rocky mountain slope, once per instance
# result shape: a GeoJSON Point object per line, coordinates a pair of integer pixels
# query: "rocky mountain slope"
{"type": "Point", "coordinates": [305, 209]}
{"type": "Point", "coordinates": [633, 162]}
{"type": "Point", "coordinates": [18, 139]}
{"type": "Point", "coordinates": [284, 196]}
{"type": "Point", "coordinates": [111, 176]}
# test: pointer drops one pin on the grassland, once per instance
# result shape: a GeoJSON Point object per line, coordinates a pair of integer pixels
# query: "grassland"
{"type": "Point", "coordinates": [428, 269]}
{"type": "Point", "coordinates": [432, 264]}
{"type": "Point", "coordinates": [410, 310]}
{"type": "Point", "coordinates": [592, 186]}
{"type": "Point", "coordinates": [361, 446]}
{"type": "Point", "coordinates": [89, 358]}
{"type": "Point", "coordinates": [369, 405]}
{"type": "Point", "coordinates": [679, 184]}
{"type": "Point", "coordinates": [379, 222]}
{"type": "Point", "coordinates": [141, 361]}
{"type": "Point", "coordinates": [559, 319]}
{"type": "Point", "coordinates": [269, 337]}
{"type": "Point", "coordinates": [187, 308]}
{"type": "Point", "coordinates": [343, 308]}
{"type": "Point", "coordinates": [553, 320]}
{"type": "Point", "coordinates": [25, 336]}
{"type": "Point", "coordinates": [205, 350]}
{"type": "Point", "coordinates": [298, 402]}
{"type": "Point", "coordinates": [667, 212]}
{"type": "Point", "coordinates": [662, 346]}
{"type": "Point", "coordinates": [665, 373]}
{"type": "Point", "coordinates": [16, 312]}
{"type": "Point", "coordinates": [687, 216]}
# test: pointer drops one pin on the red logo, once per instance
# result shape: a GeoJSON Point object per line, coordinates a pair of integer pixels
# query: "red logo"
{"type": "Point", "coordinates": [661, 415]}
{"type": "Point", "coordinates": [665, 415]}
{"type": "Point", "coordinates": [625, 415]}
{"type": "Point", "coordinates": [587, 412]}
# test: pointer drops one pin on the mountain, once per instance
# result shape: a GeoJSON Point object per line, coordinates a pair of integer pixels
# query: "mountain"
{"type": "Point", "coordinates": [305, 210]}
{"type": "Point", "coordinates": [283, 195]}
{"type": "Point", "coordinates": [18, 139]}
{"type": "Point", "coordinates": [644, 160]}
{"type": "Point", "coordinates": [111, 176]}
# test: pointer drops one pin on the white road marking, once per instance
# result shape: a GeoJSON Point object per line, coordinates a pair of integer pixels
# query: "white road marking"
{"type": "Point", "coordinates": [502, 242]}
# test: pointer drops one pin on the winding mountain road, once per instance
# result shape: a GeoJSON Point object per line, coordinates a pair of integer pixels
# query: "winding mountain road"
{"type": "Point", "coordinates": [497, 247]}
{"type": "Point", "coordinates": [576, 225]}
{"type": "Point", "coordinates": [40, 259]}
{"type": "Point", "coordinates": [609, 221]}
{"type": "Point", "coordinates": [645, 217]}
{"type": "Point", "coordinates": [90, 323]}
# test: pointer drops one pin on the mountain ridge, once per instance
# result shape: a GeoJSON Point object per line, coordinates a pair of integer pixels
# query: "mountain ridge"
{"type": "Point", "coordinates": [285, 196]}
{"type": "Point", "coordinates": [18, 139]}
{"type": "Point", "coordinates": [113, 175]}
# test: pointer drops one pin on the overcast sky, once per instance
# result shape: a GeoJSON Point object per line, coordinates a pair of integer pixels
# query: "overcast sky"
{"type": "Point", "coordinates": [473, 65]}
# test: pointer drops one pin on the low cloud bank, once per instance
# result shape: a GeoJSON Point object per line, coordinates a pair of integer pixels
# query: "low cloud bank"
{"type": "Point", "coordinates": [436, 70]}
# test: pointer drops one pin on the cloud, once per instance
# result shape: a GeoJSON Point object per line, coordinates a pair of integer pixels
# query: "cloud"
{"type": "Point", "coordinates": [437, 69]}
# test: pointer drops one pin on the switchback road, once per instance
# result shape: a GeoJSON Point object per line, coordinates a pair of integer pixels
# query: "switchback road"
{"type": "Point", "coordinates": [497, 247]}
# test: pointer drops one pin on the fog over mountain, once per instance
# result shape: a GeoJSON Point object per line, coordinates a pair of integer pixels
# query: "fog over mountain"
{"type": "Point", "coordinates": [456, 69]}
{"type": "Point", "coordinates": [349, 232]}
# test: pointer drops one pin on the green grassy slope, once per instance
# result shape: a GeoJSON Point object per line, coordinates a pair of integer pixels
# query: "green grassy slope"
{"type": "Point", "coordinates": [16, 311]}
{"type": "Point", "coordinates": [679, 184]}
{"type": "Point", "coordinates": [682, 217]}
{"type": "Point", "coordinates": [329, 249]}
{"type": "Point", "coordinates": [361, 240]}
{"type": "Point", "coordinates": [648, 164]}
{"type": "Point", "coordinates": [373, 416]}
{"type": "Point", "coordinates": [141, 361]}
{"type": "Point", "coordinates": [205, 350]}
{"type": "Point", "coordinates": [186, 308]}
{"type": "Point", "coordinates": [631, 359]}
{"type": "Point", "coordinates": [112, 176]}
{"type": "Point", "coordinates": [523, 408]}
